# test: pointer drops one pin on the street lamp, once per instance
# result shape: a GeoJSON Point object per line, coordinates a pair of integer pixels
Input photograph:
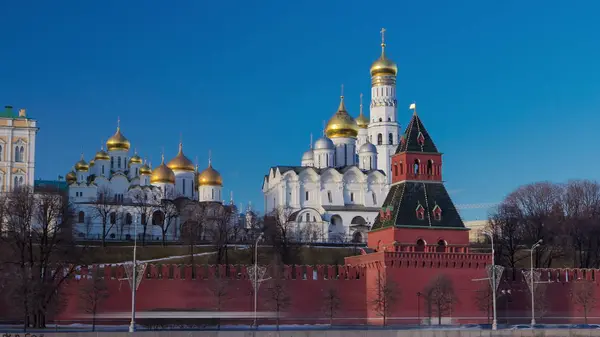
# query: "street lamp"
{"type": "Point", "coordinates": [419, 307]}
{"type": "Point", "coordinates": [537, 244]}
{"type": "Point", "coordinates": [134, 278]}
{"type": "Point", "coordinates": [495, 320]}
{"type": "Point", "coordinates": [256, 274]}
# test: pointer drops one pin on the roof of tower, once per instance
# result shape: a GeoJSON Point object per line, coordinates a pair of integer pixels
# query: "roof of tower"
{"type": "Point", "coordinates": [341, 124]}
{"type": "Point", "coordinates": [419, 204]}
{"type": "Point", "coordinates": [416, 138]}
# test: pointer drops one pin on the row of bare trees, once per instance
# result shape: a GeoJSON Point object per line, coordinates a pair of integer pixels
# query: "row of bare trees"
{"type": "Point", "coordinates": [565, 216]}
{"type": "Point", "coordinates": [37, 252]}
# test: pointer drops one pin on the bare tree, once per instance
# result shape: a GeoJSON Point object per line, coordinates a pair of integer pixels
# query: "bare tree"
{"type": "Point", "coordinates": [538, 209]}
{"type": "Point", "coordinates": [440, 296]}
{"type": "Point", "coordinates": [508, 234]}
{"type": "Point", "coordinates": [581, 205]}
{"type": "Point", "coordinates": [169, 213]}
{"type": "Point", "coordinates": [92, 294]}
{"type": "Point", "coordinates": [41, 251]}
{"type": "Point", "coordinates": [279, 296]}
{"type": "Point", "coordinates": [387, 294]}
{"type": "Point", "coordinates": [222, 226]}
{"type": "Point", "coordinates": [583, 295]}
{"type": "Point", "coordinates": [103, 208]}
{"type": "Point", "coordinates": [219, 291]}
{"type": "Point", "coordinates": [145, 203]}
{"type": "Point", "coordinates": [483, 300]}
{"type": "Point", "coordinates": [279, 230]}
{"type": "Point", "coordinates": [332, 303]}
{"type": "Point", "coordinates": [193, 215]}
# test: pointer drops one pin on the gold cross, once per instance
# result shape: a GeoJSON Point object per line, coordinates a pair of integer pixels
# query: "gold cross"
{"type": "Point", "coordinates": [382, 36]}
{"type": "Point", "coordinates": [342, 90]}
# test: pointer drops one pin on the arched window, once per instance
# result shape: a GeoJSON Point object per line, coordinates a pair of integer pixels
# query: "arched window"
{"type": "Point", "coordinates": [81, 217]}
{"type": "Point", "coordinates": [183, 183]}
{"type": "Point", "coordinates": [17, 158]}
{"type": "Point", "coordinates": [119, 162]}
{"type": "Point", "coordinates": [22, 153]}
{"type": "Point", "coordinates": [430, 167]}
{"type": "Point", "coordinates": [128, 219]}
{"type": "Point", "coordinates": [401, 168]}
{"type": "Point", "coordinates": [370, 163]}
{"type": "Point", "coordinates": [307, 217]}
{"type": "Point", "coordinates": [420, 246]}
{"type": "Point", "coordinates": [20, 181]}
{"type": "Point", "coordinates": [112, 162]}
{"type": "Point", "coordinates": [395, 169]}
{"type": "Point", "coordinates": [158, 218]}
{"type": "Point", "coordinates": [381, 120]}
{"type": "Point", "coordinates": [391, 139]}
{"type": "Point", "coordinates": [351, 197]}
{"type": "Point", "coordinates": [379, 139]}
{"type": "Point", "coordinates": [441, 246]}
{"type": "Point", "coordinates": [16, 182]}
{"type": "Point", "coordinates": [1, 157]}
{"type": "Point", "coordinates": [416, 167]}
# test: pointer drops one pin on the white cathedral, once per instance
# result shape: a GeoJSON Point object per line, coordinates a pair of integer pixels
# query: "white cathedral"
{"type": "Point", "coordinates": [338, 189]}
{"type": "Point", "coordinates": [124, 180]}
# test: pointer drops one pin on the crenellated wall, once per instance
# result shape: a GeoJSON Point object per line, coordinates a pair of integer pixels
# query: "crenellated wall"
{"type": "Point", "coordinates": [180, 287]}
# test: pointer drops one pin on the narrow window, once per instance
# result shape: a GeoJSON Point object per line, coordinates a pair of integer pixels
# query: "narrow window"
{"type": "Point", "coordinates": [1, 157]}
{"type": "Point", "coordinates": [379, 139]}
{"type": "Point", "coordinates": [81, 217]}
{"type": "Point", "coordinates": [137, 172]}
{"type": "Point", "coordinates": [370, 163]}
{"type": "Point", "coordinates": [307, 217]}
{"type": "Point", "coordinates": [401, 168]}
{"type": "Point", "coordinates": [351, 197]}
{"type": "Point", "coordinates": [329, 196]}
{"type": "Point", "coordinates": [345, 154]}
{"type": "Point", "coordinates": [103, 169]}
{"type": "Point", "coordinates": [17, 154]}
{"type": "Point", "coordinates": [112, 162]}
{"type": "Point", "coordinates": [306, 194]}
{"type": "Point", "coordinates": [213, 194]}
{"type": "Point", "coordinates": [430, 167]}
{"type": "Point", "coordinates": [113, 218]}
{"type": "Point", "coordinates": [128, 219]}
{"type": "Point", "coordinates": [374, 198]}
{"type": "Point", "coordinates": [144, 219]}
{"type": "Point", "coordinates": [183, 180]}
{"type": "Point", "coordinates": [395, 169]}
{"type": "Point", "coordinates": [391, 139]}
{"type": "Point", "coordinates": [119, 162]}
{"type": "Point", "coordinates": [416, 167]}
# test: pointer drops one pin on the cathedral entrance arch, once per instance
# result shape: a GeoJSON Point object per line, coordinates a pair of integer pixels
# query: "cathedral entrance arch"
{"type": "Point", "coordinates": [357, 237]}
{"type": "Point", "coordinates": [358, 221]}
{"type": "Point", "coordinates": [336, 228]}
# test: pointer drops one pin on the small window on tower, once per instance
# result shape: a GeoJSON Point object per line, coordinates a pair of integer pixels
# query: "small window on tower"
{"type": "Point", "coordinates": [329, 197]}
{"type": "Point", "coordinates": [420, 212]}
{"type": "Point", "coordinates": [391, 139]}
{"type": "Point", "coordinates": [437, 213]}
{"type": "Point", "coordinates": [420, 139]}
{"type": "Point", "coordinates": [416, 167]}
{"type": "Point", "coordinates": [395, 169]}
{"type": "Point", "coordinates": [306, 195]}
{"type": "Point", "coordinates": [379, 139]}
{"type": "Point", "coordinates": [374, 198]}
{"type": "Point", "coordinates": [352, 197]}
{"type": "Point", "coordinates": [430, 167]}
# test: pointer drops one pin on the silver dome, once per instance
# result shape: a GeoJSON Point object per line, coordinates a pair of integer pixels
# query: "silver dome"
{"type": "Point", "coordinates": [308, 155]}
{"type": "Point", "coordinates": [324, 143]}
{"type": "Point", "coordinates": [367, 148]}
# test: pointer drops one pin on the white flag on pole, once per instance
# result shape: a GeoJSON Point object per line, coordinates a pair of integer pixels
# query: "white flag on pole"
{"type": "Point", "coordinates": [413, 106]}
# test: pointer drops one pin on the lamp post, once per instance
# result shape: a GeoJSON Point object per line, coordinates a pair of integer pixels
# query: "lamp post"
{"type": "Point", "coordinates": [495, 319]}
{"type": "Point", "coordinates": [506, 293]}
{"type": "Point", "coordinates": [256, 275]}
{"type": "Point", "coordinates": [537, 244]}
{"type": "Point", "coordinates": [134, 279]}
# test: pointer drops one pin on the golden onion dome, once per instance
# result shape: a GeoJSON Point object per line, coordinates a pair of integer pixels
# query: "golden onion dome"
{"type": "Point", "coordinates": [383, 66]}
{"type": "Point", "coordinates": [162, 174]}
{"type": "Point", "coordinates": [82, 165]}
{"type": "Point", "coordinates": [341, 124]}
{"type": "Point", "coordinates": [209, 177]}
{"type": "Point", "coordinates": [92, 162]}
{"type": "Point", "coordinates": [135, 159]}
{"type": "Point", "coordinates": [145, 170]}
{"type": "Point", "coordinates": [118, 142]}
{"type": "Point", "coordinates": [101, 155]}
{"type": "Point", "coordinates": [362, 121]}
{"type": "Point", "coordinates": [71, 178]}
{"type": "Point", "coordinates": [181, 162]}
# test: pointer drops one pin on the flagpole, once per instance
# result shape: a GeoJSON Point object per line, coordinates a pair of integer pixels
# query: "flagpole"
{"type": "Point", "coordinates": [134, 279]}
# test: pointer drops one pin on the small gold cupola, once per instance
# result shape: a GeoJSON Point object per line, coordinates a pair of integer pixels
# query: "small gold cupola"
{"type": "Point", "coordinates": [362, 121]}
{"type": "Point", "coordinates": [383, 66]}
{"type": "Point", "coordinates": [71, 177]}
{"type": "Point", "coordinates": [82, 165]}
{"type": "Point", "coordinates": [181, 162]}
{"type": "Point", "coordinates": [101, 155]}
{"type": "Point", "coordinates": [118, 142]}
{"type": "Point", "coordinates": [145, 170]}
{"type": "Point", "coordinates": [210, 176]}
{"type": "Point", "coordinates": [162, 174]}
{"type": "Point", "coordinates": [341, 125]}
{"type": "Point", "coordinates": [135, 159]}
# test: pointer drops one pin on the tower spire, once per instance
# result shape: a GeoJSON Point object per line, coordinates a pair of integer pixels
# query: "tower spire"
{"type": "Point", "coordinates": [209, 158]}
{"type": "Point", "coordinates": [324, 128]}
{"type": "Point", "coordinates": [118, 123]}
{"type": "Point", "coordinates": [413, 107]}
{"type": "Point", "coordinates": [382, 41]}
{"type": "Point", "coordinates": [162, 155]}
{"type": "Point", "coordinates": [231, 198]}
{"type": "Point", "coordinates": [311, 141]}
{"type": "Point", "coordinates": [361, 104]}
{"type": "Point", "coordinates": [342, 107]}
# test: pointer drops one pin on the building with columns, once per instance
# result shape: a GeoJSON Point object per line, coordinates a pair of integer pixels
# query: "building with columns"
{"type": "Point", "coordinates": [116, 181]}
{"type": "Point", "coordinates": [337, 190]}
{"type": "Point", "coordinates": [17, 149]}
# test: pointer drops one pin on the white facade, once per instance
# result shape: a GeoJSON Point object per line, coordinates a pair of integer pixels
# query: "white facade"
{"type": "Point", "coordinates": [118, 181]}
{"type": "Point", "coordinates": [343, 179]}
{"type": "Point", "coordinates": [17, 149]}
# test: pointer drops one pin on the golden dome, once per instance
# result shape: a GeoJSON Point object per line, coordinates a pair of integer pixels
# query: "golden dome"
{"type": "Point", "coordinates": [82, 165]}
{"type": "Point", "coordinates": [361, 120]}
{"type": "Point", "coordinates": [341, 124]}
{"type": "Point", "coordinates": [181, 162]}
{"type": "Point", "coordinates": [209, 177]}
{"type": "Point", "coordinates": [118, 142]}
{"type": "Point", "coordinates": [92, 162]}
{"type": "Point", "coordinates": [145, 170]}
{"type": "Point", "coordinates": [135, 159]}
{"type": "Point", "coordinates": [71, 178]}
{"type": "Point", "coordinates": [383, 66]}
{"type": "Point", "coordinates": [162, 174]}
{"type": "Point", "coordinates": [102, 155]}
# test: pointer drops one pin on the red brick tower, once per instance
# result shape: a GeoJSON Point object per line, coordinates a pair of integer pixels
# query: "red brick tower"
{"type": "Point", "coordinates": [419, 235]}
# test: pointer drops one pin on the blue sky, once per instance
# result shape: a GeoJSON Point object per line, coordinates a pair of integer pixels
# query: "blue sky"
{"type": "Point", "coordinates": [508, 89]}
